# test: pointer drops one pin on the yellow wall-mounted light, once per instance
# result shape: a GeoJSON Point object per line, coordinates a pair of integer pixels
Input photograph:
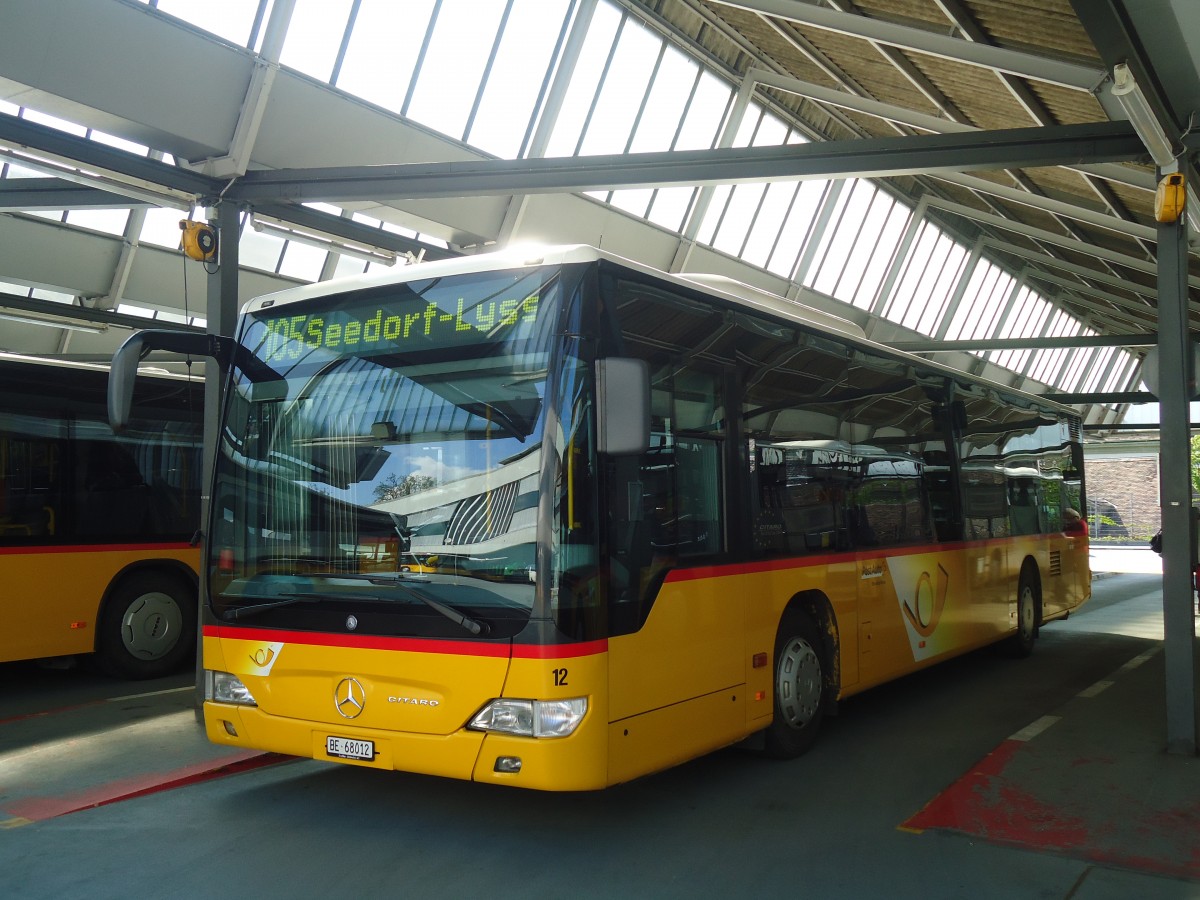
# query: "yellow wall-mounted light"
{"type": "Point", "coordinates": [1170, 198]}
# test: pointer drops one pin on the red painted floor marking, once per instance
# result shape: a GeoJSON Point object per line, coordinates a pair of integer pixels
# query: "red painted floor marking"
{"type": "Point", "coordinates": [41, 714]}
{"type": "Point", "coordinates": [37, 809]}
{"type": "Point", "coordinates": [986, 804]}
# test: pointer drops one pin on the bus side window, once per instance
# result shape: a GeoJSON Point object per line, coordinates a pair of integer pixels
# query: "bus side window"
{"type": "Point", "coordinates": [665, 504]}
{"type": "Point", "coordinates": [1023, 508]}
{"type": "Point", "coordinates": [113, 498]}
{"type": "Point", "coordinates": [29, 487]}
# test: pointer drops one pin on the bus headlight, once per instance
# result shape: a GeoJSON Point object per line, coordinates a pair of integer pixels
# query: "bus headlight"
{"type": "Point", "coordinates": [531, 718]}
{"type": "Point", "coordinates": [225, 687]}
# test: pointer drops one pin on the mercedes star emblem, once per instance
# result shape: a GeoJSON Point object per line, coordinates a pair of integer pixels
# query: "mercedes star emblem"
{"type": "Point", "coordinates": [349, 697]}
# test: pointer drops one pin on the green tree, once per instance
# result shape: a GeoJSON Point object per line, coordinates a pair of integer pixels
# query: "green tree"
{"type": "Point", "coordinates": [1195, 458]}
{"type": "Point", "coordinates": [392, 487]}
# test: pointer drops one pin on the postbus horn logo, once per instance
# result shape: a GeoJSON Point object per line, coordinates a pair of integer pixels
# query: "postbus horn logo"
{"type": "Point", "coordinates": [924, 611]}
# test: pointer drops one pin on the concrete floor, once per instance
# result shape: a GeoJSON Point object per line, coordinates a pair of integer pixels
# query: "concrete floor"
{"type": "Point", "coordinates": [983, 777]}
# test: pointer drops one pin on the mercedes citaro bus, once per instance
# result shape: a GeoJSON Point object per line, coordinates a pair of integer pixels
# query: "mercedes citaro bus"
{"type": "Point", "coordinates": [553, 519]}
{"type": "Point", "coordinates": [96, 529]}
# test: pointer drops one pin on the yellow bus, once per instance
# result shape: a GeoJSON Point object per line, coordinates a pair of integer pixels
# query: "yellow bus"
{"type": "Point", "coordinates": [556, 520]}
{"type": "Point", "coordinates": [96, 550]}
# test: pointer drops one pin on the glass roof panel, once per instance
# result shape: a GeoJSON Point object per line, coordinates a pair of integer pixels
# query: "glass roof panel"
{"type": "Point", "coordinates": [670, 206]}
{"type": "Point", "coordinates": [527, 49]}
{"type": "Point", "coordinates": [109, 221]}
{"type": "Point", "coordinates": [584, 81]}
{"type": "Point", "coordinates": [259, 250]}
{"type": "Point", "coordinates": [625, 86]}
{"type": "Point", "coordinates": [1099, 370]}
{"type": "Point", "coordinates": [851, 214]}
{"type": "Point", "coordinates": [230, 19]}
{"type": "Point", "coordinates": [120, 143]}
{"type": "Point", "coordinates": [302, 261]}
{"type": "Point", "coordinates": [314, 36]}
{"type": "Point", "coordinates": [161, 227]}
{"type": "Point", "coordinates": [983, 301]}
{"type": "Point", "coordinates": [453, 67]}
{"type": "Point", "coordinates": [882, 250]}
{"type": "Point", "coordinates": [797, 226]}
{"type": "Point", "coordinates": [706, 112]}
{"type": "Point", "coordinates": [915, 265]}
{"type": "Point", "coordinates": [635, 202]}
{"type": "Point", "coordinates": [768, 224]}
{"type": "Point", "coordinates": [383, 49]}
{"type": "Point", "coordinates": [666, 104]}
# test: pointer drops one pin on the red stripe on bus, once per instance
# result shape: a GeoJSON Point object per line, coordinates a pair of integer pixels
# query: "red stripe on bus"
{"type": "Point", "coordinates": [559, 651]}
{"type": "Point", "coordinates": [408, 644]}
{"type": "Point", "coordinates": [824, 559]}
{"type": "Point", "coordinates": [95, 548]}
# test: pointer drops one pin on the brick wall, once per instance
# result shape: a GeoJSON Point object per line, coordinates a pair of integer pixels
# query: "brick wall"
{"type": "Point", "coordinates": [1131, 486]}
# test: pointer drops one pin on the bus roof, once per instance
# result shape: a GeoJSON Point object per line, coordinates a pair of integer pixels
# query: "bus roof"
{"type": "Point", "coordinates": [516, 257]}
{"type": "Point", "coordinates": [731, 291]}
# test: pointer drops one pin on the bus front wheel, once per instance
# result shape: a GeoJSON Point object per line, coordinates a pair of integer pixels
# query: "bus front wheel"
{"type": "Point", "coordinates": [800, 667]}
{"type": "Point", "coordinates": [148, 628]}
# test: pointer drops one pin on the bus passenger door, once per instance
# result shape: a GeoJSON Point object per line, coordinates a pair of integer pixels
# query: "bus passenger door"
{"type": "Point", "coordinates": [883, 646]}
{"type": "Point", "coordinates": [990, 581]}
{"type": "Point", "coordinates": [676, 660]}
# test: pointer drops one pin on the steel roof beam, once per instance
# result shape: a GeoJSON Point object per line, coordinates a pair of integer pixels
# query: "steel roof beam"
{"type": "Point", "coordinates": [29, 194]}
{"type": "Point", "coordinates": [874, 158]}
{"type": "Point", "coordinates": [998, 59]}
{"type": "Point", "coordinates": [1133, 306]}
{"type": "Point", "coordinates": [1050, 237]}
{"type": "Point", "coordinates": [1041, 259]}
{"type": "Point", "coordinates": [1050, 205]}
{"type": "Point", "coordinates": [20, 134]}
{"type": "Point", "coordinates": [88, 315]}
{"type": "Point", "coordinates": [1107, 398]}
{"type": "Point", "coordinates": [1030, 343]}
{"type": "Point", "coordinates": [889, 112]}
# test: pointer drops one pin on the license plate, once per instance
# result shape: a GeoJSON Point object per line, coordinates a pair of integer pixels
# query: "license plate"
{"type": "Point", "coordinates": [347, 748]}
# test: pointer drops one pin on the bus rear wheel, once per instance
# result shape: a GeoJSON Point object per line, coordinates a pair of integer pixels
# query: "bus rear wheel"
{"type": "Point", "coordinates": [800, 695]}
{"type": "Point", "coordinates": [1021, 643]}
{"type": "Point", "coordinates": [148, 628]}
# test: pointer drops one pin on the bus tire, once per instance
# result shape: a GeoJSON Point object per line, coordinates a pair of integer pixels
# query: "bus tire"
{"type": "Point", "coordinates": [1021, 643]}
{"type": "Point", "coordinates": [801, 668]}
{"type": "Point", "coordinates": [148, 628]}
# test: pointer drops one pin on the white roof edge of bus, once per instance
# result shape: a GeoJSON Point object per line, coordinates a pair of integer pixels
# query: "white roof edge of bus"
{"type": "Point", "coordinates": [143, 369]}
{"type": "Point", "coordinates": [526, 255]}
{"type": "Point", "coordinates": [558, 254]}
{"type": "Point", "coordinates": [59, 363]}
{"type": "Point", "coordinates": [529, 255]}
{"type": "Point", "coordinates": [793, 309]}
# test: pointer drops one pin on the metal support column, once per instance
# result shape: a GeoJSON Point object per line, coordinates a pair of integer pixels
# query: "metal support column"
{"type": "Point", "coordinates": [1177, 385]}
{"type": "Point", "coordinates": [221, 313]}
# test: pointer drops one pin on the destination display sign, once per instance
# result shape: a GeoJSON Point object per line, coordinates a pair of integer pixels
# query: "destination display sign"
{"type": "Point", "coordinates": [466, 310]}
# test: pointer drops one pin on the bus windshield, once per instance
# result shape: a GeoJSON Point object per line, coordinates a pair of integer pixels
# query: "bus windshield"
{"type": "Point", "coordinates": [383, 455]}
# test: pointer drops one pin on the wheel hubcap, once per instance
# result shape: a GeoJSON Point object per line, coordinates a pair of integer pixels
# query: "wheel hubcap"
{"type": "Point", "coordinates": [151, 626]}
{"type": "Point", "coordinates": [798, 682]}
{"type": "Point", "coordinates": [1027, 611]}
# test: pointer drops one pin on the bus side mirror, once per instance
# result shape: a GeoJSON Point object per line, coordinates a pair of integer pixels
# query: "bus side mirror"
{"type": "Point", "coordinates": [123, 373]}
{"type": "Point", "coordinates": [622, 406]}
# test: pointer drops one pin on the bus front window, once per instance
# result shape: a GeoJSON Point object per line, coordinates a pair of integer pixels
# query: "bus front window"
{"type": "Point", "coordinates": [387, 459]}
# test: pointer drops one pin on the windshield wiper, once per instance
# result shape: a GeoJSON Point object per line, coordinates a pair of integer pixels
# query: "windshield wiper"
{"type": "Point", "coordinates": [474, 626]}
{"type": "Point", "coordinates": [242, 612]}
{"type": "Point", "coordinates": [477, 628]}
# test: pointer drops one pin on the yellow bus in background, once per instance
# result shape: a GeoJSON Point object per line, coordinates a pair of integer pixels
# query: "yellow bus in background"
{"type": "Point", "coordinates": [557, 520]}
{"type": "Point", "coordinates": [96, 550]}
